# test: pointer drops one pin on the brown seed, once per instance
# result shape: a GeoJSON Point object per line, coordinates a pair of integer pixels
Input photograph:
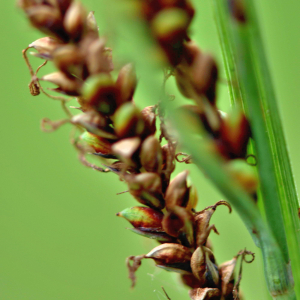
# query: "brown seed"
{"type": "Point", "coordinates": [204, 76]}
{"type": "Point", "coordinates": [75, 20]}
{"type": "Point", "coordinates": [95, 123]}
{"type": "Point", "coordinates": [226, 271]}
{"type": "Point", "coordinates": [151, 155]}
{"type": "Point", "coordinates": [168, 166]}
{"type": "Point", "coordinates": [45, 47]}
{"type": "Point", "coordinates": [172, 257]}
{"type": "Point", "coordinates": [147, 189]}
{"type": "Point", "coordinates": [178, 192]}
{"type": "Point", "coordinates": [126, 82]}
{"type": "Point", "coordinates": [69, 60]}
{"type": "Point", "coordinates": [98, 58]}
{"type": "Point", "coordinates": [235, 134]}
{"type": "Point", "coordinates": [204, 268]}
{"type": "Point", "coordinates": [183, 81]}
{"type": "Point", "coordinates": [178, 222]}
{"type": "Point", "coordinates": [65, 84]}
{"type": "Point", "coordinates": [126, 150]}
{"type": "Point", "coordinates": [149, 117]}
{"type": "Point", "coordinates": [48, 20]}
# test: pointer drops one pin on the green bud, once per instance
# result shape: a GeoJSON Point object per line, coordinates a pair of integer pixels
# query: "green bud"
{"type": "Point", "coordinates": [144, 217]}
{"type": "Point", "coordinates": [128, 121]}
{"type": "Point", "coordinates": [100, 93]}
{"type": "Point", "coordinates": [170, 21]}
{"type": "Point", "coordinates": [100, 145]}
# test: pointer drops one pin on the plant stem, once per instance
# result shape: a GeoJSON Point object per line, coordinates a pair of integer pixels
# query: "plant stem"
{"type": "Point", "coordinates": [285, 180]}
{"type": "Point", "coordinates": [235, 91]}
{"type": "Point", "coordinates": [278, 185]}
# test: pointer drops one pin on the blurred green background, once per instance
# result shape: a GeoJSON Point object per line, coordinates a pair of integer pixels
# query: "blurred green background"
{"type": "Point", "coordinates": [60, 238]}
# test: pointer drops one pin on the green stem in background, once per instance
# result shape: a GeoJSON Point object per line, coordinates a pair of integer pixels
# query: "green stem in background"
{"type": "Point", "coordinates": [288, 194]}
{"type": "Point", "coordinates": [278, 187]}
{"type": "Point", "coordinates": [235, 91]}
{"type": "Point", "coordinates": [266, 166]}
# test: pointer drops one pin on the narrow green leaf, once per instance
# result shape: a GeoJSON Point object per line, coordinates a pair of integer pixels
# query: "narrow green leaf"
{"type": "Point", "coordinates": [288, 194]}
{"type": "Point", "coordinates": [266, 124]}
{"type": "Point", "coordinates": [225, 38]}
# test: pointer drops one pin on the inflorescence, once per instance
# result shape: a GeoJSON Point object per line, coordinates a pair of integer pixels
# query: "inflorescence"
{"type": "Point", "coordinates": [125, 138]}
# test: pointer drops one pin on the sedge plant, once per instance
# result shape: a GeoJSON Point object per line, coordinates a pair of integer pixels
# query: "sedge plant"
{"type": "Point", "coordinates": [142, 147]}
